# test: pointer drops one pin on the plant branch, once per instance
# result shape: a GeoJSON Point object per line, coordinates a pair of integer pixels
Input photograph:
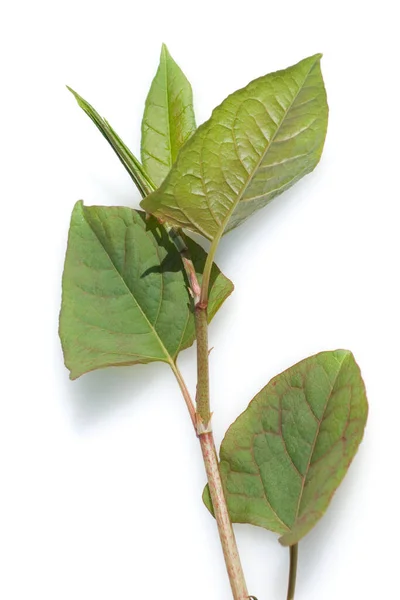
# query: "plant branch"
{"type": "Point", "coordinates": [204, 431]}
{"type": "Point", "coordinates": [227, 536]}
{"type": "Point", "coordinates": [203, 383]}
{"type": "Point", "coordinates": [294, 552]}
{"type": "Point", "coordinates": [175, 234]}
{"type": "Point", "coordinates": [201, 417]}
{"type": "Point", "coordinates": [225, 529]}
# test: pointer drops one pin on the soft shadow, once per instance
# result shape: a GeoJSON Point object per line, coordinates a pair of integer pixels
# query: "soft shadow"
{"type": "Point", "coordinates": [94, 396]}
{"type": "Point", "coordinates": [265, 220]}
{"type": "Point", "coordinates": [172, 261]}
{"type": "Point", "coordinates": [316, 547]}
{"type": "Point", "coordinates": [118, 195]}
{"type": "Point", "coordinates": [259, 540]}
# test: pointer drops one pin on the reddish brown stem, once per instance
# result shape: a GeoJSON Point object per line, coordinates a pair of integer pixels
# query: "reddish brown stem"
{"type": "Point", "coordinates": [201, 418]}
{"type": "Point", "coordinates": [226, 533]}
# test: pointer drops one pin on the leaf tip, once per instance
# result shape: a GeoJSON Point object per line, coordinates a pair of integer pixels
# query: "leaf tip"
{"type": "Point", "coordinates": [315, 57]}
{"type": "Point", "coordinates": [77, 97]}
{"type": "Point", "coordinates": [342, 354]}
{"type": "Point", "coordinates": [73, 92]}
{"type": "Point", "coordinates": [79, 204]}
{"type": "Point", "coordinates": [164, 51]}
{"type": "Point", "coordinates": [312, 60]}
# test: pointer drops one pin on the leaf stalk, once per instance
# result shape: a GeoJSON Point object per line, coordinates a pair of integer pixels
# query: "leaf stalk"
{"type": "Point", "coordinates": [207, 271]}
{"type": "Point", "coordinates": [185, 393]}
{"type": "Point", "coordinates": [294, 553]}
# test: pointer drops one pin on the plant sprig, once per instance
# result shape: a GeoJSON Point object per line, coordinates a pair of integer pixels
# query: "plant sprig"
{"type": "Point", "coordinates": [137, 289]}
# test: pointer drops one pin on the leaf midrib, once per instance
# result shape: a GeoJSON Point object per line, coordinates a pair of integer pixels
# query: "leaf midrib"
{"type": "Point", "coordinates": [312, 450]}
{"type": "Point", "coordinates": [153, 330]}
{"type": "Point", "coordinates": [264, 154]}
{"type": "Point", "coordinates": [169, 135]}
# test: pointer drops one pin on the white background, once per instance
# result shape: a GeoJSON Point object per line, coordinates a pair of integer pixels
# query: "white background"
{"type": "Point", "coordinates": [101, 478]}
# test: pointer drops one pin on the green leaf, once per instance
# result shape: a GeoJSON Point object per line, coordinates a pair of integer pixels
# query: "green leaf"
{"type": "Point", "coordinates": [125, 295]}
{"type": "Point", "coordinates": [168, 119]}
{"type": "Point", "coordinates": [257, 143]}
{"type": "Point", "coordinates": [130, 162]}
{"type": "Point", "coordinates": [286, 454]}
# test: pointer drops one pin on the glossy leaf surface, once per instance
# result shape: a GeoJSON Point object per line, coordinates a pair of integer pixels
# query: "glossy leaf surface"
{"type": "Point", "coordinates": [125, 295]}
{"type": "Point", "coordinates": [168, 119]}
{"type": "Point", "coordinates": [286, 454]}
{"type": "Point", "coordinates": [257, 144]}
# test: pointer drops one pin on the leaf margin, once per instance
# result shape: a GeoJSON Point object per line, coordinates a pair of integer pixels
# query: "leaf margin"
{"type": "Point", "coordinates": [155, 203]}
{"type": "Point", "coordinates": [223, 288]}
{"type": "Point", "coordinates": [178, 129]}
{"type": "Point", "coordinates": [290, 536]}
